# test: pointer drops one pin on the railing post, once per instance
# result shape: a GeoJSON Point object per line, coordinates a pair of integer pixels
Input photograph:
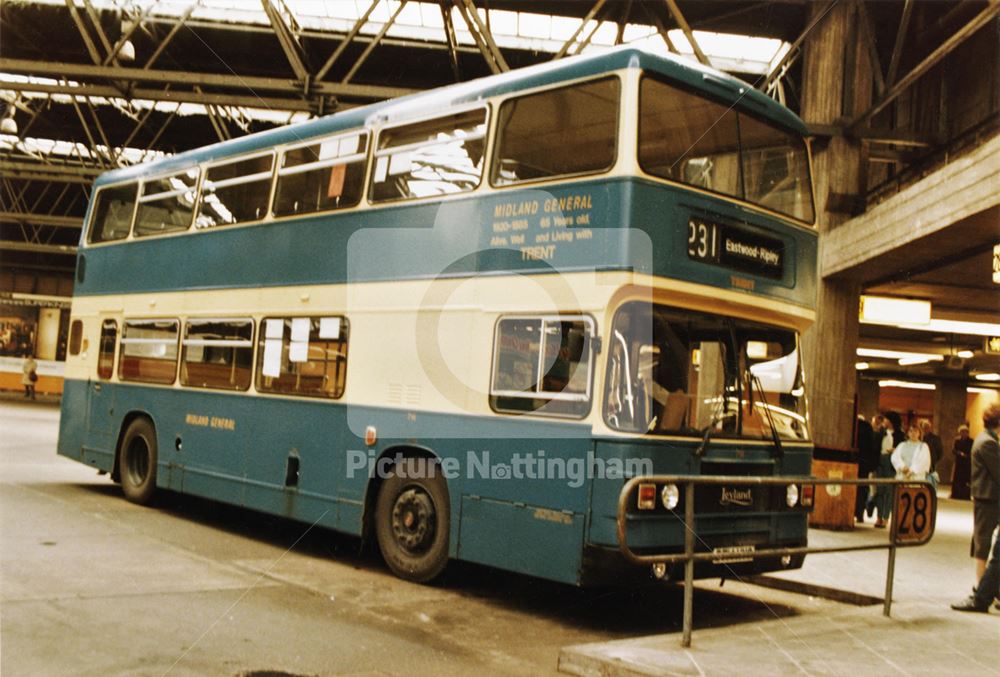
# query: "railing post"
{"type": "Point", "coordinates": [688, 562]}
{"type": "Point", "coordinates": [891, 569]}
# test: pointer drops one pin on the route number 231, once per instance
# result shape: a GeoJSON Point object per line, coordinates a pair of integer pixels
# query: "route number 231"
{"type": "Point", "coordinates": [703, 241]}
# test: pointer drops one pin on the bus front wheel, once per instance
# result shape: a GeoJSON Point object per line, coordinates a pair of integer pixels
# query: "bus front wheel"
{"type": "Point", "coordinates": [137, 462]}
{"type": "Point", "coordinates": [412, 516]}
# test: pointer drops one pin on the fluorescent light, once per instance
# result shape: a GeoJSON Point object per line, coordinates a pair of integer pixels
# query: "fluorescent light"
{"type": "Point", "coordinates": [988, 377]}
{"type": "Point", "coordinates": [981, 391]}
{"type": "Point", "coordinates": [956, 327]}
{"type": "Point", "coordinates": [890, 310]}
{"type": "Point", "coordinates": [892, 383]}
{"type": "Point", "coordinates": [910, 361]}
{"type": "Point", "coordinates": [861, 366]}
{"type": "Point", "coordinates": [965, 354]}
{"type": "Point", "coordinates": [898, 355]}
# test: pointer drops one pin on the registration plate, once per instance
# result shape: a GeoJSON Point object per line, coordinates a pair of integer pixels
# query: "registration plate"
{"type": "Point", "coordinates": [733, 553]}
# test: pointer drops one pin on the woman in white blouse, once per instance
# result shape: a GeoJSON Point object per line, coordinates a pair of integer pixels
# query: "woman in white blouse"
{"type": "Point", "coordinates": [912, 458]}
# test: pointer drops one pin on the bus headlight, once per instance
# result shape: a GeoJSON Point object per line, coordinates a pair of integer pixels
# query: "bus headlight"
{"type": "Point", "coordinates": [792, 495]}
{"type": "Point", "coordinates": [670, 496]}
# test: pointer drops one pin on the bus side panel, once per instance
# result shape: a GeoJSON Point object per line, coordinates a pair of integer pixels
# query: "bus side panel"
{"type": "Point", "coordinates": [604, 504]}
{"type": "Point", "coordinates": [73, 419]}
{"type": "Point", "coordinates": [522, 538]}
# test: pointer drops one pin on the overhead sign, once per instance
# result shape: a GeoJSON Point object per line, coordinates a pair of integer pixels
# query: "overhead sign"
{"type": "Point", "coordinates": [914, 514]}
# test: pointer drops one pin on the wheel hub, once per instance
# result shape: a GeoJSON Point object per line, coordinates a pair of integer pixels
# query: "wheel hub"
{"type": "Point", "coordinates": [413, 519]}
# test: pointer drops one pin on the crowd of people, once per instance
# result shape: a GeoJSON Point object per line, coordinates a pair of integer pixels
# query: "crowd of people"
{"type": "Point", "coordinates": [885, 450]}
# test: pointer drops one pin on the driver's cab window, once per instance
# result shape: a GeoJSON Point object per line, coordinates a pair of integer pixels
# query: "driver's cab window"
{"type": "Point", "coordinates": [678, 372]}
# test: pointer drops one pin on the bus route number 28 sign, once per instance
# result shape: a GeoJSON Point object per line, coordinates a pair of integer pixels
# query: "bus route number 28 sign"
{"type": "Point", "coordinates": [914, 514]}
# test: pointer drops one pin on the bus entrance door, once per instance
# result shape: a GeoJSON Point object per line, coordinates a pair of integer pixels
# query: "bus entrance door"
{"type": "Point", "coordinates": [99, 444]}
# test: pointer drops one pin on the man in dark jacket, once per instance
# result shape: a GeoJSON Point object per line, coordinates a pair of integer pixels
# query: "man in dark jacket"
{"type": "Point", "coordinates": [868, 451]}
{"type": "Point", "coordinates": [985, 490]}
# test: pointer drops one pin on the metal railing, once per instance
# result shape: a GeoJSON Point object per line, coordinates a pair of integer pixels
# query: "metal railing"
{"type": "Point", "coordinates": [907, 529]}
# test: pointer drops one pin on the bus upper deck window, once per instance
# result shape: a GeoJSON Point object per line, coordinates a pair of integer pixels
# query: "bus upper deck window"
{"type": "Point", "coordinates": [321, 176]}
{"type": "Point", "coordinates": [432, 157]}
{"type": "Point", "coordinates": [235, 192]}
{"type": "Point", "coordinates": [565, 131]}
{"type": "Point", "coordinates": [166, 204]}
{"type": "Point", "coordinates": [112, 215]}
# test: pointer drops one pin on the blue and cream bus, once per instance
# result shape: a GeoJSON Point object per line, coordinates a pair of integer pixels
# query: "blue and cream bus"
{"type": "Point", "coordinates": [456, 323]}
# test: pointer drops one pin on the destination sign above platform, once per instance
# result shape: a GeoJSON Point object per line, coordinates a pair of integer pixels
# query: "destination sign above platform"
{"type": "Point", "coordinates": [735, 248]}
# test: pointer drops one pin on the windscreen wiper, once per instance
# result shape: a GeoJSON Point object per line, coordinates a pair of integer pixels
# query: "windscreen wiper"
{"type": "Point", "coordinates": [778, 450]}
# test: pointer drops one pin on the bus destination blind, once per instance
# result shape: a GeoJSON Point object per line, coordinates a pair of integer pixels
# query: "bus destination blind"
{"type": "Point", "coordinates": [735, 248]}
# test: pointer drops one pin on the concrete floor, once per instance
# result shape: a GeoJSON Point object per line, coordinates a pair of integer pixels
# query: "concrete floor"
{"type": "Point", "coordinates": [93, 585]}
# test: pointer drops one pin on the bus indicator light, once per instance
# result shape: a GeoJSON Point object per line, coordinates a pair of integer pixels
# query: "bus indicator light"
{"type": "Point", "coordinates": [807, 495]}
{"type": "Point", "coordinates": [647, 496]}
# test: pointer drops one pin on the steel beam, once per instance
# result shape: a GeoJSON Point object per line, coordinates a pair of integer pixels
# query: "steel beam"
{"type": "Point", "coordinates": [14, 246]}
{"type": "Point", "coordinates": [286, 38]}
{"type": "Point", "coordinates": [579, 29]}
{"type": "Point", "coordinates": [43, 219]}
{"type": "Point", "coordinates": [291, 104]}
{"type": "Point", "coordinates": [9, 167]}
{"type": "Point", "coordinates": [358, 25]}
{"type": "Point", "coordinates": [778, 71]}
{"type": "Point", "coordinates": [223, 80]}
{"type": "Point", "coordinates": [675, 11]}
{"type": "Point", "coordinates": [481, 34]}
{"type": "Point", "coordinates": [897, 50]}
{"type": "Point", "coordinates": [931, 60]}
{"type": "Point", "coordinates": [170, 36]}
{"type": "Point", "coordinates": [368, 50]}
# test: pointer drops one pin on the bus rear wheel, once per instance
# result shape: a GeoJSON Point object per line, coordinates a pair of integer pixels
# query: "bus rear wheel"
{"type": "Point", "coordinates": [137, 461]}
{"type": "Point", "coordinates": [412, 516]}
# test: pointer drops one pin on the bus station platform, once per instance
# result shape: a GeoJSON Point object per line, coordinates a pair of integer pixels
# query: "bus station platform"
{"type": "Point", "coordinates": [837, 626]}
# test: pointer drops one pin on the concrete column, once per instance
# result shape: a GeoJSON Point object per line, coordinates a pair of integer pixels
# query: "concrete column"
{"type": "Point", "coordinates": [48, 334]}
{"type": "Point", "coordinates": [836, 86]}
{"type": "Point", "coordinates": [868, 393]}
{"type": "Point", "coordinates": [949, 412]}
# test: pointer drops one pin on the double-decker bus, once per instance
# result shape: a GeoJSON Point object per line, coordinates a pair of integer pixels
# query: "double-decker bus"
{"type": "Point", "coordinates": [458, 322]}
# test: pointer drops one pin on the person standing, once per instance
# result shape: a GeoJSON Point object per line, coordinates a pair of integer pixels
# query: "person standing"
{"type": "Point", "coordinates": [890, 440]}
{"type": "Point", "coordinates": [933, 442]}
{"type": "Point", "coordinates": [960, 472]}
{"type": "Point", "coordinates": [912, 458]}
{"type": "Point", "coordinates": [29, 375]}
{"type": "Point", "coordinates": [868, 452]}
{"type": "Point", "coordinates": [985, 487]}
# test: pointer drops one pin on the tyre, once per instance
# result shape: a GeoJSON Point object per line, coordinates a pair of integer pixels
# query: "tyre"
{"type": "Point", "coordinates": [412, 518]}
{"type": "Point", "coordinates": [137, 461]}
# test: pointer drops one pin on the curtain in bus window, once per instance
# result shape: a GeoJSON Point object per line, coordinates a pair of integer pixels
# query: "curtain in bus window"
{"type": "Point", "coordinates": [775, 169]}
{"type": "Point", "coordinates": [571, 130]}
{"type": "Point", "coordinates": [112, 214]}
{"type": "Point", "coordinates": [149, 351]}
{"type": "Point", "coordinates": [326, 175]}
{"type": "Point", "coordinates": [167, 204]}
{"type": "Point", "coordinates": [434, 157]}
{"type": "Point", "coordinates": [542, 365]}
{"type": "Point", "coordinates": [689, 139]}
{"type": "Point", "coordinates": [303, 356]}
{"type": "Point", "coordinates": [217, 354]}
{"type": "Point", "coordinates": [235, 192]}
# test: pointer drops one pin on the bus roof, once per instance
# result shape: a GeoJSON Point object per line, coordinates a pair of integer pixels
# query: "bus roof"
{"type": "Point", "coordinates": [683, 71]}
